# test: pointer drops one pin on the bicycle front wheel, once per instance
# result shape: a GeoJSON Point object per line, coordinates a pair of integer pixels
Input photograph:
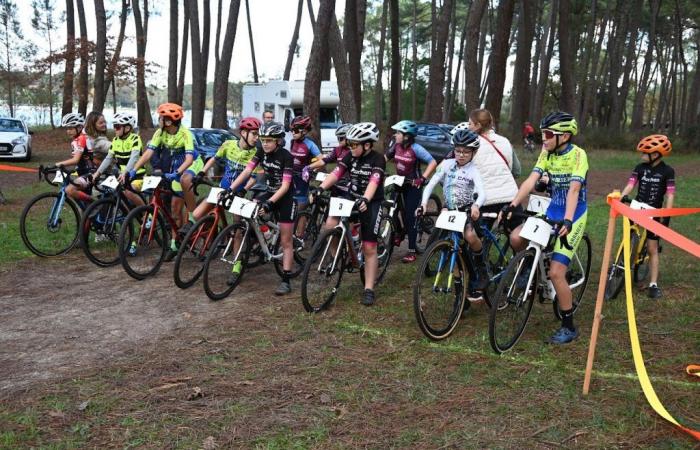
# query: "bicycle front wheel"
{"type": "Point", "coordinates": [227, 260]}
{"type": "Point", "coordinates": [143, 241]}
{"type": "Point", "coordinates": [511, 306]}
{"type": "Point", "coordinates": [99, 231]}
{"type": "Point", "coordinates": [189, 262]}
{"type": "Point", "coordinates": [439, 291]}
{"type": "Point", "coordinates": [323, 271]}
{"type": "Point", "coordinates": [49, 224]}
{"type": "Point", "coordinates": [577, 274]}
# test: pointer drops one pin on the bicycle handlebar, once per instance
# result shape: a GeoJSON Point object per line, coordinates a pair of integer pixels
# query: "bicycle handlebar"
{"type": "Point", "coordinates": [45, 171]}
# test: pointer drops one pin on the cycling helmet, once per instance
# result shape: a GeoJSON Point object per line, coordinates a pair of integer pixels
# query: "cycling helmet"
{"type": "Point", "coordinates": [460, 126]}
{"type": "Point", "coordinates": [465, 138]}
{"type": "Point", "coordinates": [272, 129]}
{"type": "Point", "coordinates": [172, 111]}
{"type": "Point", "coordinates": [655, 143]}
{"type": "Point", "coordinates": [342, 130]}
{"type": "Point", "coordinates": [72, 120]}
{"type": "Point", "coordinates": [249, 123]}
{"type": "Point", "coordinates": [405, 127]}
{"type": "Point", "coordinates": [560, 121]}
{"type": "Point", "coordinates": [124, 119]}
{"type": "Point", "coordinates": [363, 132]}
{"type": "Point", "coordinates": [302, 122]}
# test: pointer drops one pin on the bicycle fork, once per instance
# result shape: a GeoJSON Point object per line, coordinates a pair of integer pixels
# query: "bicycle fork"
{"type": "Point", "coordinates": [450, 277]}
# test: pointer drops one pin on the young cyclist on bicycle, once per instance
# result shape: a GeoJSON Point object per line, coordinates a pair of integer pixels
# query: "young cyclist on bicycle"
{"type": "Point", "coordinates": [656, 179]}
{"type": "Point", "coordinates": [81, 158]}
{"type": "Point", "coordinates": [407, 156]}
{"type": "Point", "coordinates": [338, 153]}
{"type": "Point", "coordinates": [529, 136]}
{"type": "Point", "coordinates": [279, 199]}
{"type": "Point", "coordinates": [304, 151]}
{"type": "Point", "coordinates": [366, 169]}
{"type": "Point", "coordinates": [567, 165]}
{"type": "Point", "coordinates": [462, 186]}
{"type": "Point", "coordinates": [126, 149]}
{"type": "Point", "coordinates": [236, 154]}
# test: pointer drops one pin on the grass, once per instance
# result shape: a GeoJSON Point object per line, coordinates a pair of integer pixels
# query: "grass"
{"type": "Point", "coordinates": [366, 377]}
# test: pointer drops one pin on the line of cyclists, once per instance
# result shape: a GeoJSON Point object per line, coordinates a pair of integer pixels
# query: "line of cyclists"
{"type": "Point", "coordinates": [476, 177]}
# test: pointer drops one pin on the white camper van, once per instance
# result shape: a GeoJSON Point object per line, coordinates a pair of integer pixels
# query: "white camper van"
{"type": "Point", "coordinates": [286, 100]}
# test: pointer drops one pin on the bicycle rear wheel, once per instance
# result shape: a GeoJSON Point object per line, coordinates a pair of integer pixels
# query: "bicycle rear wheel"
{"type": "Point", "coordinates": [49, 228]}
{"type": "Point", "coordinates": [616, 277]}
{"type": "Point", "coordinates": [577, 274]}
{"type": "Point", "coordinates": [438, 295]}
{"type": "Point", "coordinates": [511, 306]}
{"type": "Point", "coordinates": [227, 260]}
{"type": "Point", "coordinates": [143, 242]}
{"type": "Point", "coordinates": [189, 262]}
{"type": "Point", "coordinates": [498, 252]}
{"type": "Point", "coordinates": [323, 271]}
{"type": "Point", "coordinates": [426, 223]}
{"type": "Point", "coordinates": [306, 237]}
{"type": "Point", "coordinates": [100, 229]}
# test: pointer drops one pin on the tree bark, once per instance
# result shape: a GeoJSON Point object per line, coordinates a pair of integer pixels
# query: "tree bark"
{"type": "Point", "coordinates": [173, 47]}
{"type": "Point", "coordinates": [499, 55]}
{"type": "Point", "coordinates": [455, 86]}
{"type": "Point", "coordinates": [620, 100]}
{"type": "Point", "coordinates": [353, 37]}
{"type": "Point", "coordinates": [447, 100]}
{"type": "Point", "coordinates": [183, 57]}
{"type": "Point", "coordinates": [378, 90]}
{"type": "Point", "coordinates": [395, 81]}
{"type": "Point", "coordinates": [414, 61]}
{"type": "Point", "coordinates": [692, 112]}
{"type": "Point", "coordinates": [84, 61]}
{"type": "Point", "coordinates": [319, 53]}
{"type": "Point", "coordinates": [252, 46]}
{"type": "Point", "coordinates": [293, 43]}
{"type": "Point", "coordinates": [112, 68]}
{"type": "Point", "coordinates": [592, 84]}
{"type": "Point", "coordinates": [67, 105]}
{"type": "Point", "coordinates": [566, 64]}
{"type": "Point", "coordinates": [472, 72]}
{"type": "Point", "coordinates": [199, 63]}
{"type": "Point", "coordinates": [436, 75]}
{"type": "Point", "coordinates": [348, 110]}
{"type": "Point", "coordinates": [143, 108]}
{"type": "Point", "coordinates": [521, 75]}
{"type": "Point", "coordinates": [585, 75]}
{"type": "Point", "coordinates": [100, 93]}
{"type": "Point", "coordinates": [219, 119]}
{"type": "Point", "coordinates": [545, 61]}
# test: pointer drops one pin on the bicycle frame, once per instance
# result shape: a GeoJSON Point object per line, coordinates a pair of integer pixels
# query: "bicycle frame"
{"type": "Point", "coordinates": [157, 203]}
{"type": "Point", "coordinates": [636, 252]}
{"type": "Point", "coordinates": [455, 237]}
{"type": "Point", "coordinates": [347, 242]}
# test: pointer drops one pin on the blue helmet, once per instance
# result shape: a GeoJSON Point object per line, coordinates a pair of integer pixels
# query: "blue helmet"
{"type": "Point", "coordinates": [406, 127]}
{"type": "Point", "coordinates": [465, 138]}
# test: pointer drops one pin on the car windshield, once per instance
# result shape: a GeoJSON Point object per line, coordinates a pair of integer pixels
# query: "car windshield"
{"type": "Point", "coordinates": [11, 125]}
{"type": "Point", "coordinates": [329, 118]}
{"type": "Point", "coordinates": [213, 138]}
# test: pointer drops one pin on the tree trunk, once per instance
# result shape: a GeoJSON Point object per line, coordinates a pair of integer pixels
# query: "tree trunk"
{"type": "Point", "coordinates": [353, 37]}
{"type": "Point", "coordinates": [293, 43]}
{"type": "Point", "coordinates": [521, 75]}
{"type": "Point", "coordinates": [348, 112]}
{"type": "Point", "coordinates": [447, 100]}
{"type": "Point", "coordinates": [378, 91]}
{"type": "Point", "coordinates": [692, 110]}
{"type": "Point", "coordinates": [142, 106]}
{"type": "Point", "coordinates": [566, 64]}
{"type": "Point", "coordinates": [183, 58]}
{"type": "Point", "coordinates": [414, 62]}
{"type": "Point", "coordinates": [206, 31]}
{"type": "Point", "coordinates": [455, 86]}
{"type": "Point", "coordinates": [616, 119]}
{"type": "Point", "coordinates": [51, 96]}
{"type": "Point", "coordinates": [592, 84]}
{"type": "Point", "coordinates": [84, 61]}
{"type": "Point", "coordinates": [319, 53]}
{"type": "Point", "coordinates": [221, 71]}
{"type": "Point", "coordinates": [112, 68]}
{"type": "Point", "coordinates": [545, 61]}
{"type": "Point", "coordinates": [252, 46]}
{"type": "Point", "coordinates": [198, 78]}
{"type": "Point", "coordinates": [472, 73]}
{"type": "Point", "coordinates": [100, 55]}
{"type": "Point", "coordinates": [67, 105]}
{"type": "Point", "coordinates": [436, 75]}
{"type": "Point", "coordinates": [395, 96]}
{"type": "Point", "coordinates": [486, 30]}
{"type": "Point", "coordinates": [173, 47]}
{"type": "Point", "coordinates": [585, 75]}
{"type": "Point", "coordinates": [539, 43]}
{"type": "Point", "coordinates": [499, 54]}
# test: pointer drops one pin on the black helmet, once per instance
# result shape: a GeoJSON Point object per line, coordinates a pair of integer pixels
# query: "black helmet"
{"type": "Point", "coordinates": [272, 129]}
{"type": "Point", "coordinates": [465, 138]}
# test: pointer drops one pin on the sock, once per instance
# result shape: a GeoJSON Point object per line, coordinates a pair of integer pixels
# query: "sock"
{"type": "Point", "coordinates": [191, 217]}
{"type": "Point", "coordinates": [286, 275]}
{"type": "Point", "coordinates": [173, 245]}
{"type": "Point", "coordinates": [653, 285]}
{"type": "Point", "coordinates": [567, 319]}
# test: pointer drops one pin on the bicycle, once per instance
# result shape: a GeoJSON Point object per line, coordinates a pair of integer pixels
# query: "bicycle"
{"type": "Point", "coordinates": [103, 219]}
{"type": "Point", "coordinates": [145, 238]}
{"type": "Point", "coordinates": [529, 145]}
{"type": "Point", "coordinates": [527, 276]}
{"type": "Point", "coordinates": [47, 227]}
{"type": "Point", "coordinates": [229, 255]}
{"type": "Point", "coordinates": [189, 262]}
{"type": "Point", "coordinates": [639, 258]}
{"type": "Point", "coordinates": [314, 216]}
{"type": "Point", "coordinates": [339, 250]}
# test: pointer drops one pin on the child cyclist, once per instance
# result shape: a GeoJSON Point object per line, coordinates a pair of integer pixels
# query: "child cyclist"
{"type": "Point", "coordinates": [236, 154]}
{"type": "Point", "coordinates": [567, 165]}
{"type": "Point", "coordinates": [366, 169]}
{"type": "Point", "coordinates": [279, 199]}
{"type": "Point", "coordinates": [656, 179]}
{"type": "Point", "coordinates": [126, 149]}
{"type": "Point", "coordinates": [81, 158]}
{"type": "Point", "coordinates": [304, 151]}
{"type": "Point", "coordinates": [462, 186]}
{"type": "Point", "coordinates": [338, 153]}
{"type": "Point", "coordinates": [407, 156]}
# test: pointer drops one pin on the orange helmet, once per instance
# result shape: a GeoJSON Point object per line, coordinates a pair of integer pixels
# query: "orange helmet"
{"type": "Point", "coordinates": [172, 111]}
{"type": "Point", "coordinates": [655, 143]}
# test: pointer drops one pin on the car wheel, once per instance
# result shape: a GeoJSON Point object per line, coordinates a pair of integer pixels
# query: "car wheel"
{"type": "Point", "coordinates": [28, 156]}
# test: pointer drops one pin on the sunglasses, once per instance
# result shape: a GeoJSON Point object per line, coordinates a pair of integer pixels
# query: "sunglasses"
{"type": "Point", "coordinates": [355, 144]}
{"type": "Point", "coordinates": [118, 127]}
{"type": "Point", "coordinates": [464, 151]}
{"type": "Point", "coordinates": [297, 130]}
{"type": "Point", "coordinates": [549, 134]}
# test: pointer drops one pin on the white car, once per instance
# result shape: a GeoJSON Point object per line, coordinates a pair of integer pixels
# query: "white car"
{"type": "Point", "coordinates": [15, 139]}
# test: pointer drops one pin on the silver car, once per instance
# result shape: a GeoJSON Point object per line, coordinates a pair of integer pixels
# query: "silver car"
{"type": "Point", "coordinates": [15, 139]}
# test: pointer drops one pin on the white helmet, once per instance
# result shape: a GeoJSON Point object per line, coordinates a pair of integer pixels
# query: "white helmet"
{"type": "Point", "coordinates": [460, 126]}
{"type": "Point", "coordinates": [72, 120]}
{"type": "Point", "coordinates": [363, 132]}
{"type": "Point", "coordinates": [125, 119]}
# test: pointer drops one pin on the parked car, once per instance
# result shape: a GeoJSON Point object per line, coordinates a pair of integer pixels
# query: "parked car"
{"type": "Point", "coordinates": [15, 139]}
{"type": "Point", "coordinates": [436, 138]}
{"type": "Point", "coordinates": [208, 140]}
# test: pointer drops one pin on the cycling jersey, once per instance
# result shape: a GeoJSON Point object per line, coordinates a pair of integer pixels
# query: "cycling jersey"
{"type": "Point", "coordinates": [79, 147]}
{"type": "Point", "coordinates": [126, 151]}
{"type": "Point", "coordinates": [337, 154]}
{"type": "Point", "coordinates": [569, 165]}
{"type": "Point", "coordinates": [179, 144]}
{"type": "Point", "coordinates": [235, 158]}
{"type": "Point", "coordinates": [368, 168]}
{"type": "Point", "coordinates": [303, 151]}
{"type": "Point", "coordinates": [654, 183]}
{"type": "Point", "coordinates": [461, 185]}
{"type": "Point", "coordinates": [408, 159]}
{"type": "Point", "coordinates": [277, 166]}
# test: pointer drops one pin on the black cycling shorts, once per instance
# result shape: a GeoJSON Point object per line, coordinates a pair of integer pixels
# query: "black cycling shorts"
{"type": "Point", "coordinates": [284, 209]}
{"type": "Point", "coordinates": [370, 221]}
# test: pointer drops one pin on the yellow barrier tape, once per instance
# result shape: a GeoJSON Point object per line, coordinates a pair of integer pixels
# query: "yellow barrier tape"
{"type": "Point", "coordinates": [634, 338]}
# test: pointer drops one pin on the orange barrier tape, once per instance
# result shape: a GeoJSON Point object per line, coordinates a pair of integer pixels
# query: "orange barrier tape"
{"type": "Point", "coordinates": [8, 168]}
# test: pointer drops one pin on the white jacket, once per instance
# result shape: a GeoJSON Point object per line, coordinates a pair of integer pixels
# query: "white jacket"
{"type": "Point", "coordinates": [499, 183]}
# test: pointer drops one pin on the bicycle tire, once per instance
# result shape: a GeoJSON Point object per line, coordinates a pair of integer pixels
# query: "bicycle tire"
{"type": "Point", "coordinates": [307, 237]}
{"type": "Point", "coordinates": [426, 224]}
{"type": "Point", "coordinates": [98, 217]}
{"type": "Point", "coordinates": [385, 248]}
{"type": "Point", "coordinates": [34, 230]}
{"type": "Point", "coordinates": [498, 253]}
{"type": "Point", "coordinates": [318, 290]}
{"type": "Point", "coordinates": [581, 261]}
{"type": "Point", "coordinates": [641, 262]}
{"type": "Point", "coordinates": [150, 252]}
{"type": "Point", "coordinates": [218, 277]}
{"type": "Point", "coordinates": [297, 259]}
{"type": "Point", "coordinates": [189, 262]}
{"type": "Point", "coordinates": [437, 318]}
{"type": "Point", "coordinates": [514, 297]}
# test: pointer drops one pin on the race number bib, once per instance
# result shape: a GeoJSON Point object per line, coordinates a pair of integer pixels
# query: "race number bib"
{"type": "Point", "coordinates": [321, 176]}
{"type": "Point", "coordinates": [452, 220]}
{"type": "Point", "coordinates": [340, 207]}
{"type": "Point", "coordinates": [395, 180]}
{"type": "Point", "coordinates": [213, 196]}
{"type": "Point", "coordinates": [58, 179]}
{"type": "Point", "coordinates": [243, 207]}
{"type": "Point", "coordinates": [536, 230]}
{"type": "Point", "coordinates": [639, 205]}
{"type": "Point", "coordinates": [538, 204]}
{"type": "Point", "coordinates": [150, 183]}
{"type": "Point", "coordinates": [111, 182]}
